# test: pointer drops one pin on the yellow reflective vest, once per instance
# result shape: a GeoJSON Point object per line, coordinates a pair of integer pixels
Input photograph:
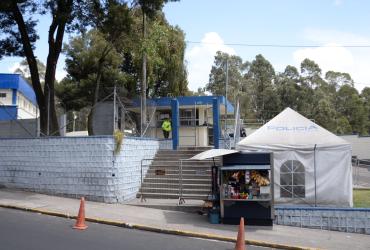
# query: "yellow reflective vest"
{"type": "Point", "coordinates": [166, 126]}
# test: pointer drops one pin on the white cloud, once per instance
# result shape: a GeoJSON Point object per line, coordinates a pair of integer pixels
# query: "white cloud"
{"type": "Point", "coordinates": [334, 56]}
{"type": "Point", "coordinates": [200, 59]}
{"type": "Point", "coordinates": [15, 66]}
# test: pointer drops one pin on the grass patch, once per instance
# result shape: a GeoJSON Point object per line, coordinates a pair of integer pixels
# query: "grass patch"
{"type": "Point", "coordinates": [361, 198]}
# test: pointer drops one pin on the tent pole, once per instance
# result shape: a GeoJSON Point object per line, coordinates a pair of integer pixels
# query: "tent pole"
{"type": "Point", "coordinates": [314, 166]}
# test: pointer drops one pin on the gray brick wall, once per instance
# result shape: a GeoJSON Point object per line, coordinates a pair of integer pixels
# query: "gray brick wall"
{"type": "Point", "coordinates": [75, 166]}
{"type": "Point", "coordinates": [352, 220]}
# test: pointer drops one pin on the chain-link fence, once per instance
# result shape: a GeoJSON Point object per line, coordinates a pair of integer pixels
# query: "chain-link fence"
{"type": "Point", "coordinates": [361, 172]}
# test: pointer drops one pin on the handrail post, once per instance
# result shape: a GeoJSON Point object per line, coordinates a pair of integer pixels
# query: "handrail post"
{"type": "Point", "coordinates": [181, 199]}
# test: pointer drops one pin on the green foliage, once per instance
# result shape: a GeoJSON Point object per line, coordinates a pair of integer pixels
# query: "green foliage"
{"type": "Point", "coordinates": [118, 139]}
{"type": "Point", "coordinates": [264, 97]}
{"type": "Point", "coordinates": [332, 102]}
{"type": "Point", "coordinates": [117, 56]}
{"type": "Point", "coordinates": [84, 57]}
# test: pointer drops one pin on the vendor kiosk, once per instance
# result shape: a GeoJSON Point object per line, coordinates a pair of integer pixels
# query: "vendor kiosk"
{"type": "Point", "coordinates": [246, 188]}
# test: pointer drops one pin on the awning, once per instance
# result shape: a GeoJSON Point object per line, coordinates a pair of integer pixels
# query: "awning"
{"type": "Point", "coordinates": [212, 153]}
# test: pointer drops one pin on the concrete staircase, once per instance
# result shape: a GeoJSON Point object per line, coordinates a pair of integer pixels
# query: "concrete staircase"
{"type": "Point", "coordinates": [162, 180]}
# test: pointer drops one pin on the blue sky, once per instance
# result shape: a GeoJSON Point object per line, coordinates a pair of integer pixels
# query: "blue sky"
{"type": "Point", "coordinates": [286, 22]}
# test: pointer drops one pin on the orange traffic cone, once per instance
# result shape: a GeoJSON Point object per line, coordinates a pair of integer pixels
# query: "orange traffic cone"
{"type": "Point", "coordinates": [80, 223]}
{"type": "Point", "coordinates": [240, 241]}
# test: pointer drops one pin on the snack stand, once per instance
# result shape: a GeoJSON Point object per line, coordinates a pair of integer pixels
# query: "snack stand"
{"type": "Point", "coordinates": [246, 188]}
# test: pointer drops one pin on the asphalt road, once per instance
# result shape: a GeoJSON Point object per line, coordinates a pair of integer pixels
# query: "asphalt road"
{"type": "Point", "coordinates": [23, 230]}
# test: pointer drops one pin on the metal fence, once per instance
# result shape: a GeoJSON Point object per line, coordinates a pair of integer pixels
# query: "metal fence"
{"type": "Point", "coordinates": [175, 179]}
{"type": "Point", "coordinates": [361, 173]}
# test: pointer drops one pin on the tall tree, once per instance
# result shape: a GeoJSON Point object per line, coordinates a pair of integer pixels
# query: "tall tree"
{"type": "Point", "coordinates": [365, 95]}
{"type": "Point", "coordinates": [261, 76]}
{"type": "Point", "coordinates": [338, 79]}
{"type": "Point", "coordinates": [148, 9]}
{"type": "Point", "coordinates": [18, 23]}
{"type": "Point", "coordinates": [350, 105]}
{"type": "Point", "coordinates": [288, 89]}
{"type": "Point", "coordinates": [24, 70]}
{"type": "Point", "coordinates": [217, 77]}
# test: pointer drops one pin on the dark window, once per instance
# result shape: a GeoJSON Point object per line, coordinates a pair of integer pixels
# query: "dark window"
{"type": "Point", "coordinates": [292, 180]}
{"type": "Point", "coordinates": [188, 117]}
{"type": "Point", "coordinates": [2, 95]}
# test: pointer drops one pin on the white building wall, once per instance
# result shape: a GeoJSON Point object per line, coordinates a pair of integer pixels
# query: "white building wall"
{"type": "Point", "coordinates": [8, 99]}
{"type": "Point", "coordinates": [26, 109]}
{"type": "Point", "coordinates": [360, 145]}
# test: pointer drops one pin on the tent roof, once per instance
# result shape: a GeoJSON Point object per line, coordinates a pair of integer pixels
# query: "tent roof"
{"type": "Point", "coordinates": [291, 130]}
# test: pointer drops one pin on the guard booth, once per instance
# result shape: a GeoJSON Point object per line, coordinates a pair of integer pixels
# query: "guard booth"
{"type": "Point", "coordinates": [196, 115]}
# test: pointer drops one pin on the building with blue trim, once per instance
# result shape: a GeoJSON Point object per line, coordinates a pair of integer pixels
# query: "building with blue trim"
{"type": "Point", "coordinates": [17, 98]}
{"type": "Point", "coordinates": [195, 115]}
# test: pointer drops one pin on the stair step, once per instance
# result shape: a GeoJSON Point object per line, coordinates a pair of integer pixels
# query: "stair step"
{"type": "Point", "coordinates": [176, 169]}
{"type": "Point", "coordinates": [174, 190]}
{"type": "Point", "coordinates": [172, 196]}
{"type": "Point", "coordinates": [177, 163]}
{"type": "Point", "coordinates": [177, 180]}
{"type": "Point", "coordinates": [167, 185]}
{"type": "Point", "coordinates": [176, 176]}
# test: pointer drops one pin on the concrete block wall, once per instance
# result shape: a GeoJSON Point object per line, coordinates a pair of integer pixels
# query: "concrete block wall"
{"type": "Point", "coordinates": [351, 220]}
{"type": "Point", "coordinates": [134, 151]}
{"type": "Point", "coordinates": [165, 144]}
{"type": "Point", "coordinates": [75, 166]}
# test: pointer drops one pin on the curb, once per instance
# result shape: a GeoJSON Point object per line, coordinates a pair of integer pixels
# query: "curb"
{"type": "Point", "coordinates": [159, 230]}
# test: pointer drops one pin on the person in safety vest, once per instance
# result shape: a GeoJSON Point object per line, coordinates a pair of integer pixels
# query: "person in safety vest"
{"type": "Point", "coordinates": [166, 127]}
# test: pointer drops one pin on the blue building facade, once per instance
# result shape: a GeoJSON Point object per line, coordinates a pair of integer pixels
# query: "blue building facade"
{"type": "Point", "coordinates": [200, 119]}
{"type": "Point", "coordinates": [17, 98]}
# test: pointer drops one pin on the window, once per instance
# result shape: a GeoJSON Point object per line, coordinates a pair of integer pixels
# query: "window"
{"type": "Point", "coordinates": [2, 95]}
{"type": "Point", "coordinates": [189, 117]}
{"type": "Point", "coordinates": [292, 180]}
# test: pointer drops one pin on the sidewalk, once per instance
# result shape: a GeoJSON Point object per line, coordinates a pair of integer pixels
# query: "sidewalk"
{"type": "Point", "coordinates": [158, 220]}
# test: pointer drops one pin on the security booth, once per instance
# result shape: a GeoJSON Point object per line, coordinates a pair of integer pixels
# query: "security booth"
{"type": "Point", "coordinates": [246, 188]}
{"type": "Point", "coordinates": [196, 116]}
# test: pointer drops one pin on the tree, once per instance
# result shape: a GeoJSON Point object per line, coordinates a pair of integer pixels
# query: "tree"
{"type": "Point", "coordinates": [264, 99]}
{"type": "Point", "coordinates": [324, 114]}
{"type": "Point", "coordinates": [18, 38]}
{"type": "Point", "coordinates": [288, 89]}
{"type": "Point", "coordinates": [338, 79]}
{"type": "Point", "coordinates": [85, 66]}
{"type": "Point", "coordinates": [343, 126]}
{"type": "Point", "coordinates": [98, 60]}
{"type": "Point", "coordinates": [217, 77]}
{"type": "Point", "coordinates": [148, 9]}
{"type": "Point", "coordinates": [311, 73]}
{"type": "Point", "coordinates": [350, 105]}
{"type": "Point", "coordinates": [365, 95]}
{"type": "Point", "coordinates": [24, 70]}
{"type": "Point", "coordinates": [166, 70]}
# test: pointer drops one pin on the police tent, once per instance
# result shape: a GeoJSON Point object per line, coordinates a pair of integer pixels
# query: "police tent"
{"type": "Point", "coordinates": [312, 166]}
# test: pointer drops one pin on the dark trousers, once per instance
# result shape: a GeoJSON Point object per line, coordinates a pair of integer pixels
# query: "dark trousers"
{"type": "Point", "coordinates": [166, 134]}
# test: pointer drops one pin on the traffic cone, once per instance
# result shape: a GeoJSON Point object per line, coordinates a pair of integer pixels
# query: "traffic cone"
{"type": "Point", "coordinates": [80, 223]}
{"type": "Point", "coordinates": [240, 241]}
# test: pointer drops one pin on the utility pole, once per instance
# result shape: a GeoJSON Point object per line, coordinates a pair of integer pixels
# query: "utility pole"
{"type": "Point", "coordinates": [143, 84]}
{"type": "Point", "coordinates": [114, 108]}
{"type": "Point", "coordinates": [226, 83]}
{"type": "Point", "coordinates": [48, 107]}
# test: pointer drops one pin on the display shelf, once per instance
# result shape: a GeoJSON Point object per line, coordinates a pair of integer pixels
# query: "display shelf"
{"type": "Point", "coordinates": [229, 199]}
{"type": "Point", "coordinates": [248, 174]}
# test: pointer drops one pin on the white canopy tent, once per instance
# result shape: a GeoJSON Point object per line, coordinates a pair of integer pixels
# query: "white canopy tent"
{"type": "Point", "coordinates": [311, 164]}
